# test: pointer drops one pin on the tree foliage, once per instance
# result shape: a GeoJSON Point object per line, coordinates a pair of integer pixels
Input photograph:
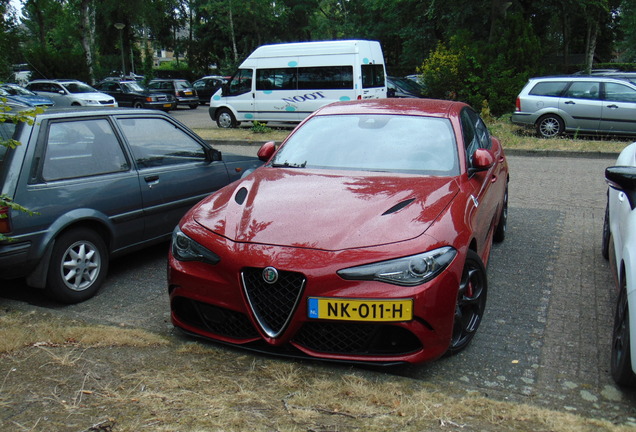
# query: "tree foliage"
{"type": "Point", "coordinates": [496, 44]}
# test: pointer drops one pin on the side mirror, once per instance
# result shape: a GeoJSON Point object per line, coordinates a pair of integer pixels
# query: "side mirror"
{"type": "Point", "coordinates": [482, 160]}
{"type": "Point", "coordinates": [266, 151]}
{"type": "Point", "coordinates": [623, 178]}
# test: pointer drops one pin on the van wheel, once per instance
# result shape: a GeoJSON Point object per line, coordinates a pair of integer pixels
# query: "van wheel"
{"type": "Point", "coordinates": [550, 126]}
{"type": "Point", "coordinates": [138, 104]}
{"type": "Point", "coordinates": [78, 266]}
{"type": "Point", "coordinates": [225, 119]}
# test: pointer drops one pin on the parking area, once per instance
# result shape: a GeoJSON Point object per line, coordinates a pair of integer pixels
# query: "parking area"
{"type": "Point", "coordinates": [545, 338]}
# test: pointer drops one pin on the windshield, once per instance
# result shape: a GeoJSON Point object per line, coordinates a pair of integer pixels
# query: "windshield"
{"type": "Point", "coordinates": [133, 86]}
{"type": "Point", "coordinates": [78, 87]}
{"type": "Point", "coordinates": [16, 90]}
{"type": "Point", "coordinates": [386, 143]}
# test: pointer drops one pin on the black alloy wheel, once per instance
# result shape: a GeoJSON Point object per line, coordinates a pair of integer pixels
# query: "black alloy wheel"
{"type": "Point", "coordinates": [471, 303]}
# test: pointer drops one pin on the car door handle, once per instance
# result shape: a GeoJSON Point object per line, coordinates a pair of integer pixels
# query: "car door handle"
{"type": "Point", "coordinates": [151, 178]}
{"type": "Point", "coordinates": [570, 103]}
{"type": "Point", "coordinates": [493, 179]}
{"type": "Point", "coordinates": [613, 106]}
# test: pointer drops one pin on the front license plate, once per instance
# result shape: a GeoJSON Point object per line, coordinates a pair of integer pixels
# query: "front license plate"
{"type": "Point", "coordinates": [188, 93]}
{"type": "Point", "coordinates": [360, 310]}
{"type": "Point", "coordinates": [167, 105]}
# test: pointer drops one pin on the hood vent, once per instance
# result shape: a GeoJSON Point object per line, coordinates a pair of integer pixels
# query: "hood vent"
{"type": "Point", "coordinates": [398, 206]}
{"type": "Point", "coordinates": [240, 196]}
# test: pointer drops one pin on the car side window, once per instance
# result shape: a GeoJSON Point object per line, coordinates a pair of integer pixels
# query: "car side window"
{"type": "Point", "coordinates": [583, 90]}
{"type": "Point", "coordinates": [549, 88]}
{"type": "Point", "coordinates": [81, 148]}
{"type": "Point", "coordinates": [619, 93]}
{"type": "Point", "coordinates": [156, 142]}
{"type": "Point", "coordinates": [475, 132]}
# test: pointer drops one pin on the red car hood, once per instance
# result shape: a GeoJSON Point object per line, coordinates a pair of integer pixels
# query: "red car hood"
{"type": "Point", "coordinates": [325, 209]}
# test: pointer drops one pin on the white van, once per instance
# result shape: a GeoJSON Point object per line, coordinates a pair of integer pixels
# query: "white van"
{"type": "Point", "coordinates": [287, 82]}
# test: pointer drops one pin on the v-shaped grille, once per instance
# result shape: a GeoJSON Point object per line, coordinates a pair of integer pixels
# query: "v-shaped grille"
{"type": "Point", "coordinates": [273, 304]}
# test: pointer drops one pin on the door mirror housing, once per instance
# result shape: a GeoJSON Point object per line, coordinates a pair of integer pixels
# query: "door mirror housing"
{"type": "Point", "coordinates": [266, 151]}
{"type": "Point", "coordinates": [481, 160]}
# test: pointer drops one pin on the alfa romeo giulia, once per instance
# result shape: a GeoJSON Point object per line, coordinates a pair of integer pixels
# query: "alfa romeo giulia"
{"type": "Point", "coordinates": [364, 238]}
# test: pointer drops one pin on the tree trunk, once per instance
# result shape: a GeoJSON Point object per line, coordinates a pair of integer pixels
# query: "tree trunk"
{"type": "Point", "coordinates": [232, 35]}
{"type": "Point", "coordinates": [87, 30]}
{"type": "Point", "coordinates": [592, 33]}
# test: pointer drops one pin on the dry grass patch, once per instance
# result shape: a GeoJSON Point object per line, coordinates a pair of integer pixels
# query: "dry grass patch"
{"type": "Point", "coordinates": [157, 385]}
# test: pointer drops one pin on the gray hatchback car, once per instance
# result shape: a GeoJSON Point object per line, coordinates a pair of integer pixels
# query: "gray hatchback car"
{"type": "Point", "coordinates": [585, 104]}
{"type": "Point", "coordinates": [102, 182]}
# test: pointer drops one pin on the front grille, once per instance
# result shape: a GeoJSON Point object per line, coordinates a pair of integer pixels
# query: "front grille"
{"type": "Point", "coordinates": [107, 102]}
{"type": "Point", "coordinates": [273, 304]}
{"type": "Point", "coordinates": [357, 339]}
{"type": "Point", "coordinates": [214, 319]}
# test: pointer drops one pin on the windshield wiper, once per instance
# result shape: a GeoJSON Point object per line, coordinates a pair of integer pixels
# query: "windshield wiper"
{"type": "Point", "coordinates": [289, 165]}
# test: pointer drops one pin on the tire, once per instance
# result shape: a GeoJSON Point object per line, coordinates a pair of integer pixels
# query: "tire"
{"type": "Point", "coordinates": [79, 249]}
{"type": "Point", "coordinates": [138, 105]}
{"type": "Point", "coordinates": [550, 126]}
{"type": "Point", "coordinates": [194, 106]}
{"type": "Point", "coordinates": [621, 360]}
{"type": "Point", "coordinates": [606, 232]}
{"type": "Point", "coordinates": [471, 303]}
{"type": "Point", "coordinates": [502, 226]}
{"type": "Point", "coordinates": [225, 119]}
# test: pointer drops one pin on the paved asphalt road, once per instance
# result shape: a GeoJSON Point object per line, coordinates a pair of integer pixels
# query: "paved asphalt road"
{"type": "Point", "coordinates": [545, 338]}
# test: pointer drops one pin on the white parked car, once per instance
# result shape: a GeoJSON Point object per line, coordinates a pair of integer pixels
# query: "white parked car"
{"type": "Point", "coordinates": [71, 93]}
{"type": "Point", "coordinates": [619, 246]}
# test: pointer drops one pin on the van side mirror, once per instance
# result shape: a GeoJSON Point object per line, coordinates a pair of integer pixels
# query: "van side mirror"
{"type": "Point", "coordinates": [266, 151]}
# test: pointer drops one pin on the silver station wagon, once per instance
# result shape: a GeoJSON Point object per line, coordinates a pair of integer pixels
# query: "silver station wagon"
{"type": "Point", "coordinates": [102, 182]}
{"type": "Point", "coordinates": [577, 104]}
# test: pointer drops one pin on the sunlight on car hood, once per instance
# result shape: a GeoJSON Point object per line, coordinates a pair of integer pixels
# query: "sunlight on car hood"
{"type": "Point", "coordinates": [325, 209]}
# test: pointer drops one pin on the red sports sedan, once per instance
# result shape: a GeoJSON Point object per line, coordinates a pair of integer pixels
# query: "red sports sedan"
{"type": "Point", "coordinates": [364, 238]}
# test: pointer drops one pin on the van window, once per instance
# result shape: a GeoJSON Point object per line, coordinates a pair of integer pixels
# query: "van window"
{"type": "Point", "coordinates": [325, 77]}
{"type": "Point", "coordinates": [549, 88]}
{"type": "Point", "coordinates": [276, 79]}
{"type": "Point", "coordinates": [619, 93]}
{"type": "Point", "coordinates": [241, 82]}
{"type": "Point", "coordinates": [373, 76]}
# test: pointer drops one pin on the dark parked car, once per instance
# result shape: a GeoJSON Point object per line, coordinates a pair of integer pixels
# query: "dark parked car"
{"type": "Point", "coordinates": [102, 182]}
{"type": "Point", "coordinates": [207, 86]}
{"type": "Point", "coordinates": [21, 96]}
{"type": "Point", "coordinates": [130, 93]}
{"type": "Point", "coordinates": [180, 88]}
{"type": "Point", "coordinates": [403, 88]}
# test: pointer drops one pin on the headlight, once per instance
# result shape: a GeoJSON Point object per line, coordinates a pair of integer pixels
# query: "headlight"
{"type": "Point", "coordinates": [91, 102]}
{"type": "Point", "coordinates": [407, 271]}
{"type": "Point", "coordinates": [186, 249]}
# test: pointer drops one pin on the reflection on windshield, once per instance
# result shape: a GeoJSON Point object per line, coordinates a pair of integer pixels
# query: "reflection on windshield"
{"type": "Point", "coordinates": [133, 87]}
{"type": "Point", "coordinates": [391, 143]}
{"type": "Point", "coordinates": [79, 88]}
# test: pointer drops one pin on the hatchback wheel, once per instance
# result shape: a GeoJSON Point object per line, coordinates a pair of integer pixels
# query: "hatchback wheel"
{"type": "Point", "coordinates": [471, 303]}
{"type": "Point", "coordinates": [550, 126]}
{"type": "Point", "coordinates": [621, 363]}
{"type": "Point", "coordinates": [78, 266]}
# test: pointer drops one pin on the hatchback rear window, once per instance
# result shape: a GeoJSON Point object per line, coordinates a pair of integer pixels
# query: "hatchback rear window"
{"type": "Point", "coordinates": [549, 88]}
{"type": "Point", "coordinates": [6, 132]}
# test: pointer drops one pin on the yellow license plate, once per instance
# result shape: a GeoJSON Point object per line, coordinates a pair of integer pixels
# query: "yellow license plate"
{"type": "Point", "coordinates": [188, 93]}
{"type": "Point", "coordinates": [167, 105]}
{"type": "Point", "coordinates": [360, 309]}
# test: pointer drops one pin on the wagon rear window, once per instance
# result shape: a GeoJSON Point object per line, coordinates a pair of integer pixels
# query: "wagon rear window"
{"type": "Point", "coordinates": [549, 88]}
